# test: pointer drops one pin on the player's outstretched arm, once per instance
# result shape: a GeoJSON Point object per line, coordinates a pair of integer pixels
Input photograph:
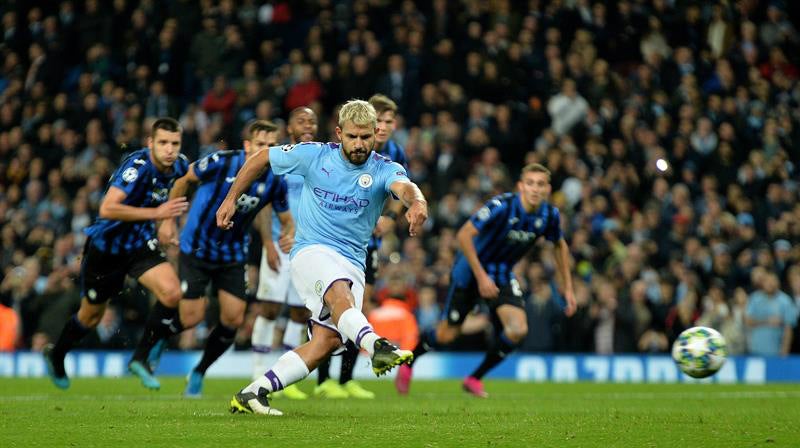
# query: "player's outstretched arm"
{"type": "Point", "coordinates": [168, 228]}
{"type": "Point", "coordinates": [411, 196]}
{"type": "Point", "coordinates": [562, 258]}
{"type": "Point", "coordinates": [465, 237]}
{"type": "Point", "coordinates": [252, 168]}
{"type": "Point", "coordinates": [113, 208]}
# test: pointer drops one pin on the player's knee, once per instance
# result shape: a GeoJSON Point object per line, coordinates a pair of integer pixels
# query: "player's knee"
{"type": "Point", "coordinates": [90, 317]}
{"type": "Point", "coordinates": [446, 334]}
{"type": "Point", "coordinates": [232, 320]}
{"type": "Point", "coordinates": [170, 296]}
{"type": "Point", "coordinates": [517, 331]}
{"type": "Point", "coordinates": [191, 317]}
{"type": "Point", "coordinates": [271, 310]}
{"type": "Point", "coordinates": [339, 295]}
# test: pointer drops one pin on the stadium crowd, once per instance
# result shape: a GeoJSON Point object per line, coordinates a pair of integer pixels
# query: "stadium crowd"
{"type": "Point", "coordinates": [672, 130]}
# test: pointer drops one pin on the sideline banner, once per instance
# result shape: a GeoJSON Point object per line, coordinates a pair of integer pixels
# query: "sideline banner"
{"type": "Point", "coordinates": [521, 367]}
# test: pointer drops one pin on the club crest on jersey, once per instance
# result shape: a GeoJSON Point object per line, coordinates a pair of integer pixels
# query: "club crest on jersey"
{"type": "Point", "coordinates": [318, 287]}
{"type": "Point", "coordinates": [130, 174]}
{"type": "Point", "coordinates": [203, 164]}
{"type": "Point", "coordinates": [260, 187]}
{"type": "Point", "coordinates": [365, 181]}
{"type": "Point", "coordinates": [538, 223]}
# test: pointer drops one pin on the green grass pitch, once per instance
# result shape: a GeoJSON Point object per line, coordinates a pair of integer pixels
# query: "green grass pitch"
{"type": "Point", "coordinates": [119, 413]}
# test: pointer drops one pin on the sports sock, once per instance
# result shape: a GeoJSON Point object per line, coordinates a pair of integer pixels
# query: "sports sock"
{"type": "Point", "coordinates": [501, 348]}
{"type": "Point", "coordinates": [161, 323]}
{"type": "Point", "coordinates": [289, 369]}
{"type": "Point", "coordinates": [218, 341]}
{"type": "Point", "coordinates": [349, 358]}
{"type": "Point", "coordinates": [354, 325]}
{"type": "Point", "coordinates": [324, 370]}
{"type": "Point", "coordinates": [293, 335]}
{"type": "Point", "coordinates": [71, 334]}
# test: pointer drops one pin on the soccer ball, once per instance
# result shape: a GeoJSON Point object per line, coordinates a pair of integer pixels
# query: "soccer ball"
{"type": "Point", "coordinates": [699, 351]}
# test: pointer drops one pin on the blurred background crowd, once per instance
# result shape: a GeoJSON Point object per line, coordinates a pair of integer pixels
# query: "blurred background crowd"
{"type": "Point", "coordinates": [672, 130]}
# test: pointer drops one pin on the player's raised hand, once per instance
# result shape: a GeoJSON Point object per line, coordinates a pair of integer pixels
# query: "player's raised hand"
{"type": "Point", "coordinates": [225, 214]}
{"type": "Point", "coordinates": [167, 233]}
{"type": "Point", "coordinates": [487, 287]}
{"type": "Point", "coordinates": [416, 216]}
{"type": "Point", "coordinates": [172, 208]}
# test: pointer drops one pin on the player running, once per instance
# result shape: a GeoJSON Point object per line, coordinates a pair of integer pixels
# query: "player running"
{"type": "Point", "coordinates": [122, 241]}
{"type": "Point", "coordinates": [492, 241]}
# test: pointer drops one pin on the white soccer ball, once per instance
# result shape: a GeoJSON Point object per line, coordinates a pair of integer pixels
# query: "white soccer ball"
{"type": "Point", "coordinates": [699, 351]}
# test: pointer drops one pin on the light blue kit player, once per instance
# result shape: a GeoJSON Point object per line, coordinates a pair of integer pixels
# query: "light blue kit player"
{"type": "Point", "coordinates": [345, 188]}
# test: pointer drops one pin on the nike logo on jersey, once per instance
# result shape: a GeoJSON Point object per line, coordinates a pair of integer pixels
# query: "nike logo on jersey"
{"type": "Point", "coordinates": [513, 220]}
{"type": "Point", "coordinates": [230, 179]}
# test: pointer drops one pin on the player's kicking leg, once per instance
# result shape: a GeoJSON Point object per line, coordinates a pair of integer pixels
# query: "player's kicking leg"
{"type": "Point", "coordinates": [290, 368]}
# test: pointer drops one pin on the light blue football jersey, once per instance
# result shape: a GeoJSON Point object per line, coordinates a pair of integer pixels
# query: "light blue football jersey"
{"type": "Point", "coordinates": [340, 202]}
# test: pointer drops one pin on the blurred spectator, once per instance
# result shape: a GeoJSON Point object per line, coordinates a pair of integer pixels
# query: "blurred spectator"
{"type": "Point", "coordinates": [394, 317]}
{"type": "Point", "coordinates": [771, 317]}
{"type": "Point", "coordinates": [567, 109]}
{"type": "Point", "coordinates": [670, 128]}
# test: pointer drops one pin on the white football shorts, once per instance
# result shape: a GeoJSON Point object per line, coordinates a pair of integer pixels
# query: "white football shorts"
{"type": "Point", "coordinates": [314, 269]}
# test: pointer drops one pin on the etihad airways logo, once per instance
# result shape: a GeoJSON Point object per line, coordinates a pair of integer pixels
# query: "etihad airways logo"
{"type": "Point", "coordinates": [335, 201]}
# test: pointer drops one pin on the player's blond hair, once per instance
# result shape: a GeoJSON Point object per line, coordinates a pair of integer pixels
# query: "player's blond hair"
{"type": "Point", "coordinates": [358, 112]}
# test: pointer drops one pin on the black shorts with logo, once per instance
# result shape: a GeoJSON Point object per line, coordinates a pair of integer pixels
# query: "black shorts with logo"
{"type": "Point", "coordinates": [462, 301]}
{"type": "Point", "coordinates": [195, 275]}
{"type": "Point", "coordinates": [103, 274]}
{"type": "Point", "coordinates": [372, 263]}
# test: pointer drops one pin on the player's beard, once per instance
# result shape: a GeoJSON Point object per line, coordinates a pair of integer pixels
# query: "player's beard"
{"type": "Point", "coordinates": [358, 156]}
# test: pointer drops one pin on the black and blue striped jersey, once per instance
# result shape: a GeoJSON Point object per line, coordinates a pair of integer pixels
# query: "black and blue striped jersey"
{"type": "Point", "coordinates": [201, 238]}
{"type": "Point", "coordinates": [144, 186]}
{"type": "Point", "coordinates": [506, 232]}
{"type": "Point", "coordinates": [395, 153]}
